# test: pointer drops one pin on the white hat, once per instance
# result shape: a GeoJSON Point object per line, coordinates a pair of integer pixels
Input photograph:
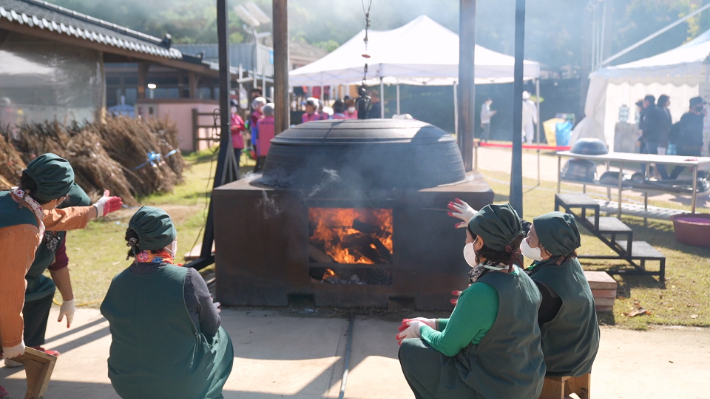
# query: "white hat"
{"type": "Point", "coordinates": [526, 95]}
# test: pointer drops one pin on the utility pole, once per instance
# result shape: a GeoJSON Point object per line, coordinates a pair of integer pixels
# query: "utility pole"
{"type": "Point", "coordinates": [281, 62]}
{"type": "Point", "coordinates": [467, 89]}
{"type": "Point", "coordinates": [516, 170]}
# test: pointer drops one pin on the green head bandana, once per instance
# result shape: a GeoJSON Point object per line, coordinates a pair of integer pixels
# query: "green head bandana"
{"type": "Point", "coordinates": [54, 176]}
{"type": "Point", "coordinates": [77, 197]}
{"type": "Point", "coordinates": [558, 233]}
{"type": "Point", "coordinates": [154, 227]}
{"type": "Point", "coordinates": [498, 225]}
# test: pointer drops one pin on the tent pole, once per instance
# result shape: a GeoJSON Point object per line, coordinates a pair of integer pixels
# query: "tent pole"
{"type": "Point", "coordinates": [516, 169]}
{"type": "Point", "coordinates": [382, 98]}
{"type": "Point", "coordinates": [537, 98]}
{"type": "Point", "coordinates": [398, 99]}
{"type": "Point", "coordinates": [456, 111]}
{"type": "Point", "coordinates": [466, 117]}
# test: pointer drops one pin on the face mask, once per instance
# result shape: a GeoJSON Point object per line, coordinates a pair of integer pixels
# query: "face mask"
{"type": "Point", "coordinates": [351, 109]}
{"type": "Point", "coordinates": [172, 248]}
{"type": "Point", "coordinates": [530, 253]}
{"type": "Point", "coordinates": [470, 255]}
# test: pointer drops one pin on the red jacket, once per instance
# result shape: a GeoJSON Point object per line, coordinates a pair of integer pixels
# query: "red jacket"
{"type": "Point", "coordinates": [237, 128]}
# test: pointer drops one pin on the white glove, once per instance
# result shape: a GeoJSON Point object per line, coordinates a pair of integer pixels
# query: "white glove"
{"type": "Point", "coordinates": [67, 309]}
{"type": "Point", "coordinates": [429, 322]}
{"type": "Point", "coordinates": [216, 306]}
{"type": "Point", "coordinates": [13, 351]}
{"type": "Point", "coordinates": [461, 210]}
{"type": "Point", "coordinates": [410, 332]}
{"type": "Point", "coordinates": [107, 204]}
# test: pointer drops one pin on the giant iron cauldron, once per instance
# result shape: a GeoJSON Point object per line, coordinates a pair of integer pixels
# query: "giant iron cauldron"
{"type": "Point", "coordinates": [347, 213]}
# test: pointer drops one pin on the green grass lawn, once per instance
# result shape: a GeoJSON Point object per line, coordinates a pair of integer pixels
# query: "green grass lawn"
{"type": "Point", "coordinates": [99, 252]}
{"type": "Point", "coordinates": [683, 299]}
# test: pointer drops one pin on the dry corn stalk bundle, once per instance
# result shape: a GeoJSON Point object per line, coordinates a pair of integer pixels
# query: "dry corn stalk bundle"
{"type": "Point", "coordinates": [166, 132]}
{"type": "Point", "coordinates": [129, 142]}
{"type": "Point", "coordinates": [34, 139]}
{"type": "Point", "coordinates": [94, 170]}
{"type": "Point", "coordinates": [11, 163]}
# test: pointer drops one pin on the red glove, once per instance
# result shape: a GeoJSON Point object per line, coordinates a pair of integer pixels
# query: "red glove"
{"type": "Point", "coordinates": [457, 294]}
{"type": "Point", "coordinates": [106, 204]}
{"type": "Point", "coordinates": [461, 210]}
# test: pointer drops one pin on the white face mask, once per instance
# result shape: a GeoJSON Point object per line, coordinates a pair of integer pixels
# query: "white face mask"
{"type": "Point", "coordinates": [172, 248]}
{"type": "Point", "coordinates": [351, 109]}
{"type": "Point", "coordinates": [470, 255]}
{"type": "Point", "coordinates": [530, 253]}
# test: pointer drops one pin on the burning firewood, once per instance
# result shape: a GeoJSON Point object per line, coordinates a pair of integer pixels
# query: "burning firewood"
{"type": "Point", "coordinates": [382, 249]}
{"type": "Point", "coordinates": [319, 256]}
{"type": "Point", "coordinates": [366, 228]}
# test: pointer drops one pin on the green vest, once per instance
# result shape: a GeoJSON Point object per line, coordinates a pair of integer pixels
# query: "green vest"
{"type": "Point", "coordinates": [508, 362]}
{"type": "Point", "coordinates": [38, 285]}
{"type": "Point", "coordinates": [13, 214]}
{"type": "Point", "coordinates": [571, 340]}
{"type": "Point", "coordinates": [156, 351]}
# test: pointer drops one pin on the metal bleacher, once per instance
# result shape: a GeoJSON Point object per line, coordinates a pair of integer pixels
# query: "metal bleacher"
{"type": "Point", "coordinates": [609, 230]}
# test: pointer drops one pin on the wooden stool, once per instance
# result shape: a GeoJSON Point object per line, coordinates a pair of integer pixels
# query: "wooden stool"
{"type": "Point", "coordinates": [38, 368]}
{"type": "Point", "coordinates": [559, 387]}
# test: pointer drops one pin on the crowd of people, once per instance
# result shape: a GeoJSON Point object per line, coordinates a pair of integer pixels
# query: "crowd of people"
{"type": "Point", "coordinates": [659, 135]}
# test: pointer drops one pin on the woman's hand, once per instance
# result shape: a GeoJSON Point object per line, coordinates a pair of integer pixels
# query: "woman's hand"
{"type": "Point", "coordinates": [411, 331]}
{"type": "Point", "coordinates": [461, 210]}
{"type": "Point", "coordinates": [456, 295]}
{"type": "Point", "coordinates": [107, 204]}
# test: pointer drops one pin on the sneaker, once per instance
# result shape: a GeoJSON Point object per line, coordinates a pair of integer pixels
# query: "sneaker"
{"type": "Point", "coordinates": [49, 352]}
{"type": "Point", "coordinates": [12, 364]}
{"type": "Point", "coordinates": [4, 394]}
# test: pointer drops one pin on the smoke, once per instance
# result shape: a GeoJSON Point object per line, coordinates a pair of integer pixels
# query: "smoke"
{"type": "Point", "coordinates": [268, 206]}
{"type": "Point", "coordinates": [330, 177]}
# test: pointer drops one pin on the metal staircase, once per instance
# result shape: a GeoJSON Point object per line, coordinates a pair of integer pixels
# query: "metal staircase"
{"type": "Point", "coordinates": [609, 230]}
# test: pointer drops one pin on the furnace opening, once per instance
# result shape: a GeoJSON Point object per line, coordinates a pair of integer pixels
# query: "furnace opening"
{"type": "Point", "coordinates": [350, 236]}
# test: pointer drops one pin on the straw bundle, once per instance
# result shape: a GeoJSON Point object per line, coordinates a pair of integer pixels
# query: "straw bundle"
{"type": "Point", "coordinates": [166, 132]}
{"type": "Point", "coordinates": [11, 164]}
{"type": "Point", "coordinates": [34, 139]}
{"type": "Point", "coordinates": [94, 170]}
{"type": "Point", "coordinates": [128, 141]}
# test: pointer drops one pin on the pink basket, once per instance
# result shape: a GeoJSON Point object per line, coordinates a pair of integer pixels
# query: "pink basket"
{"type": "Point", "coordinates": [692, 229]}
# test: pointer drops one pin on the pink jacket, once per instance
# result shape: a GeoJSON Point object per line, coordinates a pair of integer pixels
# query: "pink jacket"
{"type": "Point", "coordinates": [310, 117]}
{"type": "Point", "coordinates": [266, 133]}
{"type": "Point", "coordinates": [237, 131]}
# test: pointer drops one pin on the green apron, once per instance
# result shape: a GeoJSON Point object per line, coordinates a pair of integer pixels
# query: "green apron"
{"type": "Point", "coordinates": [13, 214]}
{"type": "Point", "coordinates": [570, 341]}
{"type": "Point", "coordinates": [40, 286]}
{"type": "Point", "coordinates": [506, 364]}
{"type": "Point", "coordinates": [156, 350]}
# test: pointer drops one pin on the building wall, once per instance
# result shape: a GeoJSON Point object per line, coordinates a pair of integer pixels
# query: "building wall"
{"type": "Point", "coordinates": [43, 80]}
{"type": "Point", "coordinates": [180, 112]}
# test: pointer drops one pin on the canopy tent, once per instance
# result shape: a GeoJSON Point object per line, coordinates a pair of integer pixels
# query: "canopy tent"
{"type": "Point", "coordinates": [678, 73]}
{"type": "Point", "coordinates": [421, 52]}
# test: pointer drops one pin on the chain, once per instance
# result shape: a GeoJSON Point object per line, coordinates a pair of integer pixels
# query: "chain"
{"type": "Point", "coordinates": [366, 39]}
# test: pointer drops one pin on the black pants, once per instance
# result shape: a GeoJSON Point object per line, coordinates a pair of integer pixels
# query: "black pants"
{"type": "Point", "coordinates": [36, 314]}
{"type": "Point", "coordinates": [687, 150]}
{"type": "Point", "coordinates": [259, 164]}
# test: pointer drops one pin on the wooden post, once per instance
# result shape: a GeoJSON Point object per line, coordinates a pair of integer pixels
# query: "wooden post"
{"type": "Point", "coordinates": [192, 84]}
{"type": "Point", "coordinates": [516, 170]}
{"type": "Point", "coordinates": [142, 77]}
{"type": "Point", "coordinates": [282, 113]}
{"type": "Point", "coordinates": [467, 90]}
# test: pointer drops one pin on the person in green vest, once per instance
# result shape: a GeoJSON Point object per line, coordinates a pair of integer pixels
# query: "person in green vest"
{"type": "Point", "coordinates": [490, 346]}
{"type": "Point", "coordinates": [51, 255]}
{"type": "Point", "coordinates": [567, 318]}
{"type": "Point", "coordinates": [167, 341]}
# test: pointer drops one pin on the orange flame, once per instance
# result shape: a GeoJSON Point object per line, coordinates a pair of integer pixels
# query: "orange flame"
{"type": "Point", "coordinates": [334, 226]}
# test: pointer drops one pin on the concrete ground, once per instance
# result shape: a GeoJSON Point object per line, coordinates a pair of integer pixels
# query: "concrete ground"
{"type": "Point", "coordinates": [278, 355]}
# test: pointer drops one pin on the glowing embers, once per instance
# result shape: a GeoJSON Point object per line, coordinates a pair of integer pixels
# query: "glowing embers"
{"type": "Point", "coordinates": [350, 275]}
{"type": "Point", "coordinates": [350, 236]}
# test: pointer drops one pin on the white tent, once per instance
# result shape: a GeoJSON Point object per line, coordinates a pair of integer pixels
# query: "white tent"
{"type": "Point", "coordinates": [421, 52]}
{"type": "Point", "coordinates": [678, 73]}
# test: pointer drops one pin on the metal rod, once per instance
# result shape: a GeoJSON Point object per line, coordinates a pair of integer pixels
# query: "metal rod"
{"type": "Point", "coordinates": [652, 36]}
{"type": "Point", "coordinates": [516, 170]}
{"type": "Point", "coordinates": [559, 172]}
{"type": "Point", "coordinates": [695, 188]}
{"type": "Point", "coordinates": [537, 97]}
{"type": "Point", "coordinates": [621, 177]}
{"type": "Point", "coordinates": [344, 380]}
{"type": "Point", "coordinates": [456, 113]}
{"type": "Point", "coordinates": [467, 92]}
{"type": "Point", "coordinates": [382, 97]}
{"type": "Point", "coordinates": [398, 111]}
